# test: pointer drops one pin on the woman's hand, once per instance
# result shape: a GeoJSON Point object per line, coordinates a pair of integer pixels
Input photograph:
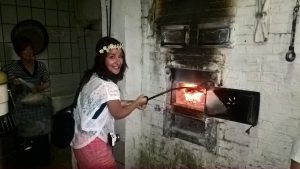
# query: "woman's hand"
{"type": "Point", "coordinates": [141, 102]}
{"type": "Point", "coordinates": [142, 107]}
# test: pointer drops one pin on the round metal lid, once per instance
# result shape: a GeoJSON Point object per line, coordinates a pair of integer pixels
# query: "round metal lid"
{"type": "Point", "coordinates": [34, 31]}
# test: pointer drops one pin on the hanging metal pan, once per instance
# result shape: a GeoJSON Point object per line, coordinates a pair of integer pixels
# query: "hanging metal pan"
{"type": "Point", "coordinates": [34, 31]}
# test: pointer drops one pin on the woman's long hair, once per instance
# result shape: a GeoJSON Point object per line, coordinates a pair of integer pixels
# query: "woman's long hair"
{"type": "Point", "coordinates": [99, 66]}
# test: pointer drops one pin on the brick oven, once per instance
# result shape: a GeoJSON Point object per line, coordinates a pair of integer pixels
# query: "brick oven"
{"type": "Point", "coordinates": [193, 39]}
{"type": "Point", "coordinates": [166, 135]}
{"type": "Point", "coordinates": [197, 97]}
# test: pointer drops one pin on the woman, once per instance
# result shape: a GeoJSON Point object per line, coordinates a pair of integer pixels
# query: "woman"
{"type": "Point", "coordinates": [99, 104]}
{"type": "Point", "coordinates": [28, 79]}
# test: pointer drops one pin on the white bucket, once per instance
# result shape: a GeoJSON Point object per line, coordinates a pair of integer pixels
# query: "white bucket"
{"type": "Point", "coordinates": [3, 93]}
{"type": "Point", "coordinates": [3, 99]}
{"type": "Point", "coordinates": [3, 108]}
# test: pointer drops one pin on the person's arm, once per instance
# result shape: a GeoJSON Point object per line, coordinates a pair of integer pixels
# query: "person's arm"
{"type": "Point", "coordinates": [126, 102]}
{"type": "Point", "coordinates": [13, 81]}
{"type": "Point", "coordinates": [45, 81]}
{"type": "Point", "coordinates": [40, 88]}
{"type": "Point", "coordinates": [121, 109]}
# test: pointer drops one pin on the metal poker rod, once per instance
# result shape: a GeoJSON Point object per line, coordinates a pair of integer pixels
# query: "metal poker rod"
{"type": "Point", "coordinates": [198, 87]}
{"type": "Point", "coordinates": [161, 93]}
{"type": "Point", "coordinates": [177, 88]}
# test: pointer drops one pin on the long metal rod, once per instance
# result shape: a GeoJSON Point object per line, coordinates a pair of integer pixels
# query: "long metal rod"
{"type": "Point", "coordinates": [159, 94]}
{"type": "Point", "coordinates": [198, 87]}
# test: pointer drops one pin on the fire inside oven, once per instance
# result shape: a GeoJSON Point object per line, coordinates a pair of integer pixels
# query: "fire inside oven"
{"type": "Point", "coordinates": [189, 99]}
{"type": "Point", "coordinates": [197, 96]}
{"type": "Point", "coordinates": [191, 95]}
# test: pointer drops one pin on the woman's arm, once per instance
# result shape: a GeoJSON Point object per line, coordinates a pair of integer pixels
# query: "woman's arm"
{"type": "Point", "coordinates": [121, 109]}
{"type": "Point", "coordinates": [126, 102]}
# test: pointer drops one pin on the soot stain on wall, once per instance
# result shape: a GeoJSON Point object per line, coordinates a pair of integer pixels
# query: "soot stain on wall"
{"type": "Point", "coordinates": [165, 153]}
{"type": "Point", "coordinates": [191, 13]}
{"type": "Point", "coordinates": [156, 154]}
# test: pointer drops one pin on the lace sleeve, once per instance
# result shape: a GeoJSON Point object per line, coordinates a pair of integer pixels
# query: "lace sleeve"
{"type": "Point", "coordinates": [113, 92]}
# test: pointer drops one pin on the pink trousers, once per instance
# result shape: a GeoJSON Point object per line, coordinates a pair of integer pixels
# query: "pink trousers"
{"type": "Point", "coordinates": [96, 155]}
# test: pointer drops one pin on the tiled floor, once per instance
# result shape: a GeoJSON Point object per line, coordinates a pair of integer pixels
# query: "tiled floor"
{"type": "Point", "coordinates": [120, 166]}
{"type": "Point", "coordinates": [60, 158]}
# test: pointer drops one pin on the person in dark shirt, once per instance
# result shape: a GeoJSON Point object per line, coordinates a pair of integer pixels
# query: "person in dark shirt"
{"type": "Point", "coordinates": [29, 82]}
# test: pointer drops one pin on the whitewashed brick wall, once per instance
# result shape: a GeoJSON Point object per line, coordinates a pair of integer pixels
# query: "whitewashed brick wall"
{"type": "Point", "coordinates": [248, 66]}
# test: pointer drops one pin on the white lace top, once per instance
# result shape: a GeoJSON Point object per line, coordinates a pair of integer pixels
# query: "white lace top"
{"type": "Point", "coordinates": [89, 122]}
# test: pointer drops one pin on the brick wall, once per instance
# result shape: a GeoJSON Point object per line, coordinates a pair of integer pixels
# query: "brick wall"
{"type": "Point", "coordinates": [248, 65]}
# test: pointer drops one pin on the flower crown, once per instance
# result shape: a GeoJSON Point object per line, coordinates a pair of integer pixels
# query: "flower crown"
{"type": "Point", "coordinates": [111, 46]}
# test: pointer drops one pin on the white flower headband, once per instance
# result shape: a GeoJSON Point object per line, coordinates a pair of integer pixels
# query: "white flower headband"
{"type": "Point", "coordinates": [111, 46]}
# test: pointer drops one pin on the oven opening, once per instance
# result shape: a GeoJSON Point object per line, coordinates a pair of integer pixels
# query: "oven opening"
{"type": "Point", "coordinates": [199, 101]}
{"type": "Point", "coordinates": [189, 99]}
{"type": "Point", "coordinates": [198, 97]}
{"type": "Point", "coordinates": [185, 117]}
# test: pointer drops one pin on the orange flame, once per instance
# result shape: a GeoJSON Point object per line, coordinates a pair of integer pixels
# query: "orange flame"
{"type": "Point", "coordinates": [193, 96]}
{"type": "Point", "coordinates": [190, 96]}
{"type": "Point", "coordinates": [188, 85]}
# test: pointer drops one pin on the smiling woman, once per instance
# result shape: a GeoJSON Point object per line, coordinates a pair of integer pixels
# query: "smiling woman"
{"type": "Point", "coordinates": [114, 61]}
{"type": "Point", "coordinates": [99, 105]}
